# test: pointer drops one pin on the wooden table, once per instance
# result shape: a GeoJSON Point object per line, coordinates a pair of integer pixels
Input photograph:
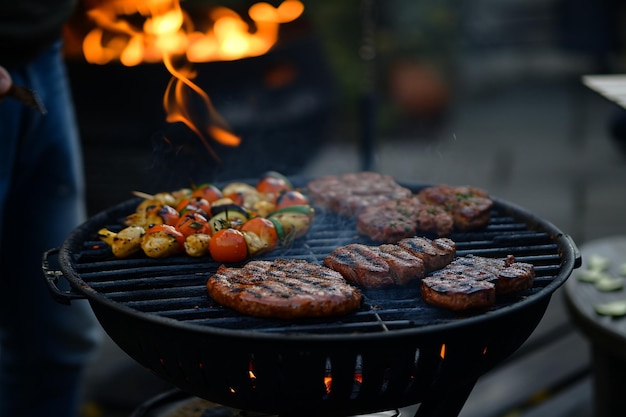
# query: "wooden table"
{"type": "Point", "coordinates": [606, 334]}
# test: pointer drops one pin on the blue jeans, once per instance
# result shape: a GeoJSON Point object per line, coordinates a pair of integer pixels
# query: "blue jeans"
{"type": "Point", "coordinates": [44, 345]}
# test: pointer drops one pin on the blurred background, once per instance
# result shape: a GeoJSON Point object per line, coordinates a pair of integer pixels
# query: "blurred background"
{"type": "Point", "coordinates": [487, 93]}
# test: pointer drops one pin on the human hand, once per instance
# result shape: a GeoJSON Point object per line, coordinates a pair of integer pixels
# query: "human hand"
{"type": "Point", "coordinates": [5, 81]}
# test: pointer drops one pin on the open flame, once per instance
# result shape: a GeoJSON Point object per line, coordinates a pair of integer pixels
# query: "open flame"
{"type": "Point", "coordinates": [136, 31]}
{"type": "Point", "coordinates": [148, 31]}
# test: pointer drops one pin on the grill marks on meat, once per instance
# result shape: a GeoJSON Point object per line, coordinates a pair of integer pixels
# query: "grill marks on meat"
{"type": "Point", "coordinates": [511, 276]}
{"type": "Point", "coordinates": [435, 253]}
{"type": "Point", "coordinates": [387, 265]}
{"type": "Point", "coordinates": [348, 194]}
{"type": "Point", "coordinates": [433, 211]}
{"type": "Point", "coordinates": [458, 293]}
{"type": "Point", "coordinates": [283, 288]}
{"type": "Point", "coordinates": [458, 284]}
{"type": "Point", "coordinates": [473, 282]}
{"type": "Point", "coordinates": [393, 219]}
{"type": "Point", "coordinates": [375, 266]}
{"type": "Point", "coordinates": [388, 212]}
{"type": "Point", "coordinates": [470, 207]}
{"type": "Point", "coordinates": [404, 266]}
{"type": "Point", "coordinates": [361, 265]}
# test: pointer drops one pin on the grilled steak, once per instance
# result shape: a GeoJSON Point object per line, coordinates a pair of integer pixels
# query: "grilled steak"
{"type": "Point", "coordinates": [394, 219]}
{"type": "Point", "coordinates": [348, 194]}
{"type": "Point", "coordinates": [375, 266]}
{"type": "Point", "coordinates": [405, 267]}
{"type": "Point", "coordinates": [435, 253]}
{"type": "Point", "coordinates": [511, 276]}
{"type": "Point", "coordinates": [473, 281]}
{"type": "Point", "coordinates": [470, 207]}
{"type": "Point", "coordinates": [283, 288]}
{"type": "Point", "coordinates": [457, 293]}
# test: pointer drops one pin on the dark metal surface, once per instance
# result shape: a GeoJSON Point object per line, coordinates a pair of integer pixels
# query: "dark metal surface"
{"type": "Point", "coordinates": [395, 351]}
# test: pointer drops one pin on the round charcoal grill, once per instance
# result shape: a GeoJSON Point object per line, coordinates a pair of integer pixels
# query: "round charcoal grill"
{"type": "Point", "coordinates": [393, 352]}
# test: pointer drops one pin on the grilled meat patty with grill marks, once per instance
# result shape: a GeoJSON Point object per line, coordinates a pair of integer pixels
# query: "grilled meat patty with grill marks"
{"type": "Point", "coordinates": [375, 266]}
{"type": "Point", "coordinates": [470, 207]}
{"type": "Point", "coordinates": [435, 253]}
{"type": "Point", "coordinates": [457, 293]}
{"type": "Point", "coordinates": [512, 276]}
{"type": "Point", "coordinates": [394, 219]}
{"type": "Point", "coordinates": [349, 193]}
{"type": "Point", "coordinates": [473, 281]}
{"type": "Point", "coordinates": [283, 288]}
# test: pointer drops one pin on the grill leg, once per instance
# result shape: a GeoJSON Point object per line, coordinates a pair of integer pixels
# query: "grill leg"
{"type": "Point", "coordinates": [446, 406]}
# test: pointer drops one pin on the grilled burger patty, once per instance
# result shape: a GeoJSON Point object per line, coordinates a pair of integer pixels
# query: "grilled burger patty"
{"type": "Point", "coordinates": [473, 282]}
{"type": "Point", "coordinates": [348, 194]}
{"type": "Point", "coordinates": [388, 264]}
{"type": "Point", "coordinates": [388, 212]}
{"type": "Point", "coordinates": [470, 207]}
{"type": "Point", "coordinates": [394, 219]}
{"type": "Point", "coordinates": [283, 288]}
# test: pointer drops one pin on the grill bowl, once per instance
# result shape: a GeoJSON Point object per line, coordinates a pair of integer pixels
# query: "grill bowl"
{"type": "Point", "coordinates": [395, 351]}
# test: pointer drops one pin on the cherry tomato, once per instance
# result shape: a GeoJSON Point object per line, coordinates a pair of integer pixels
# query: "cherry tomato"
{"type": "Point", "coordinates": [273, 184]}
{"type": "Point", "coordinates": [228, 245]}
{"type": "Point", "coordinates": [169, 215]}
{"type": "Point", "coordinates": [192, 223]}
{"type": "Point", "coordinates": [207, 191]}
{"type": "Point", "coordinates": [237, 198]}
{"type": "Point", "coordinates": [291, 198]}
{"type": "Point", "coordinates": [266, 232]}
{"type": "Point", "coordinates": [194, 204]}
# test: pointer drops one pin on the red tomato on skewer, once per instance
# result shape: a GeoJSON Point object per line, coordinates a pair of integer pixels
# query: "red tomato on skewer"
{"type": "Point", "coordinates": [228, 245]}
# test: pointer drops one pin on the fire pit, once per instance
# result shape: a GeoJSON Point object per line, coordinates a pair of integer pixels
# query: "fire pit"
{"type": "Point", "coordinates": [394, 352]}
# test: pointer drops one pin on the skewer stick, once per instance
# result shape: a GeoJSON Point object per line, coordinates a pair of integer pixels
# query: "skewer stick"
{"type": "Point", "coordinates": [143, 195]}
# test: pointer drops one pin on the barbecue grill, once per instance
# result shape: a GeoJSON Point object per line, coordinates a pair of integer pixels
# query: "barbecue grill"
{"type": "Point", "coordinates": [393, 352]}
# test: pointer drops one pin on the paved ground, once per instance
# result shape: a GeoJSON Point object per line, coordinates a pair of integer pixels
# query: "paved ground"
{"type": "Point", "coordinates": [544, 146]}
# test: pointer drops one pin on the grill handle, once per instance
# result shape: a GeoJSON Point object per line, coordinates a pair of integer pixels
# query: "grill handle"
{"type": "Point", "coordinates": [52, 279]}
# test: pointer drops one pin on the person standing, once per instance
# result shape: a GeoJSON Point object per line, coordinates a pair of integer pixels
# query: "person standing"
{"type": "Point", "coordinates": [44, 346]}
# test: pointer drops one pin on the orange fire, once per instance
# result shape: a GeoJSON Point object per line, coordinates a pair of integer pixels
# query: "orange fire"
{"type": "Point", "coordinates": [328, 383]}
{"type": "Point", "coordinates": [165, 29]}
{"type": "Point", "coordinates": [147, 31]}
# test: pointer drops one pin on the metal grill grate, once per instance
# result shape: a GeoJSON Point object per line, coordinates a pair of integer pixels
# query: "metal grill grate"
{"type": "Point", "coordinates": [174, 288]}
